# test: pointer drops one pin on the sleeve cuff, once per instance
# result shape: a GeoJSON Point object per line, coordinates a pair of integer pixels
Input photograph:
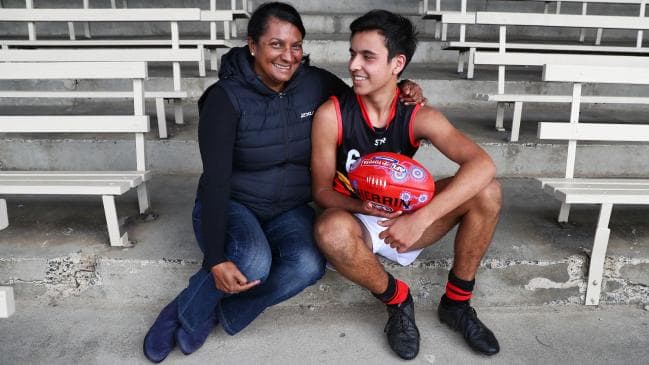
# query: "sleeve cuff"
{"type": "Point", "coordinates": [209, 263]}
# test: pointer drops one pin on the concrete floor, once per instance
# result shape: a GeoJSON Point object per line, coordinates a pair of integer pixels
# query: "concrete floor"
{"type": "Point", "coordinates": [89, 332]}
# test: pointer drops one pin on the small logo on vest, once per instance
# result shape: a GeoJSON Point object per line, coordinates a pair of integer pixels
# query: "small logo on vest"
{"type": "Point", "coordinates": [379, 141]}
{"type": "Point", "coordinates": [306, 114]}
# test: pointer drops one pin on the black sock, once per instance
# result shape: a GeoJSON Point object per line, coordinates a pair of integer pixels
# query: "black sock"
{"type": "Point", "coordinates": [396, 292]}
{"type": "Point", "coordinates": [458, 291]}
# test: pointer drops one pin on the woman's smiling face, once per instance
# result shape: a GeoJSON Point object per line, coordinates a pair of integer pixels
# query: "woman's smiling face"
{"type": "Point", "coordinates": [278, 53]}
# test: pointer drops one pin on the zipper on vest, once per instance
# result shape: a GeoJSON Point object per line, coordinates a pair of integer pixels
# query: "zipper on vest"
{"type": "Point", "coordinates": [287, 124]}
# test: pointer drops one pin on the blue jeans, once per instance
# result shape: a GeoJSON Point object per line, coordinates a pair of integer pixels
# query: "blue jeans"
{"type": "Point", "coordinates": [281, 252]}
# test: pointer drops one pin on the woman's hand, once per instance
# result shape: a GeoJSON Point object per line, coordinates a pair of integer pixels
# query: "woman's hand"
{"type": "Point", "coordinates": [411, 93]}
{"type": "Point", "coordinates": [229, 279]}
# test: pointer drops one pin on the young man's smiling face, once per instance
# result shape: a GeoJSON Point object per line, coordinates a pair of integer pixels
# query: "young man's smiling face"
{"type": "Point", "coordinates": [368, 64]}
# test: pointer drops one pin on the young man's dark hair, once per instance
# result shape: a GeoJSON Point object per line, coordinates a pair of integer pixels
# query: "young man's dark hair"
{"type": "Point", "coordinates": [400, 34]}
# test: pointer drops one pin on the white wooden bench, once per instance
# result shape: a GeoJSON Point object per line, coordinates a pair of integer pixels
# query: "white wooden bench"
{"type": "Point", "coordinates": [213, 16]}
{"type": "Point", "coordinates": [584, 11]}
{"type": "Point", "coordinates": [237, 13]}
{"type": "Point", "coordinates": [445, 17]}
{"type": "Point", "coordinates": [468, 49]}
{"type": "Point", "coordinates": [171, 15]}
{"type": "Point", "coordinates": [175, 56]}
{"type": "Point", "coordinates": [502, 60]}
{"type": "Point", "coordinates": [468, 17]}
{"type": "Point", "coordinates": [107, 184]}
{"type": "Point", "coordinates": [604, 192]}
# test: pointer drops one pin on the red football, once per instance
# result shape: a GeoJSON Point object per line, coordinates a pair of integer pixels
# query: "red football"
{"type": "Point", "coordinates": [392, 181]}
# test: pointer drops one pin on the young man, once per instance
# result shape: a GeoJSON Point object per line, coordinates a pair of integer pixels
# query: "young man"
{"type": "Point", "coordinates": [349, 232]}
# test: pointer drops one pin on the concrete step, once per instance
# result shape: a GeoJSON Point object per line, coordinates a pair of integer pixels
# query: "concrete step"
{"type": "Point", "coordinates": [56, 248]}
{"type": "Point", "coordinates": [81, 330]}
{"type": "Point", "coordinates": [180, 153]}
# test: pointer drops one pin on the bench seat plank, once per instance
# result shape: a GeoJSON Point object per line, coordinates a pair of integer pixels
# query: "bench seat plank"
{"type": "Point", "coordinates": [74, 123]}
{"type": "Point", "coordinates": [524, 98]}
{"type": "Point", "coordinates": [134, 178]}
{"type": "Point", "coordinates": [48, 187]}
{"type": "Point", "coordinates": [100, 15]}
{"type": "Point", "coordinates": [562, 20]}
{"type": "Point", "coordinates": [567, 193]}
{"type": "Point", "coordinates": [545, 47]}
{"type": "Point", "coordinates": [539, 59]}
{"type": "Point", "coordinates": [542, 98]}
{"type": "Point", "coordinates": [105, 55]}
{"type": "Point", "coordinates": [593, 181]}
{"type": "Point", "coordinates": [91, 94]}
{"type": "Point", "coordinates": [583, 196]}
{"type": "Point", "coordinates": [594, 132]}
{"type": "Point", "coordinates": [218, 43]}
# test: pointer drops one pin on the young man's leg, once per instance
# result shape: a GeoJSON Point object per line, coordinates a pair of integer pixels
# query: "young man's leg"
{"type": "Point", "coordinates": [347, 246]}
{"type": "Point", "coordinates": [477, 220]}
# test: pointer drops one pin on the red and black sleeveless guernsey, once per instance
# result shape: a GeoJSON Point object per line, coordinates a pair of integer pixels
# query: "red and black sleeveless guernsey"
{"type": "Point", "coordinates": [357, 137]}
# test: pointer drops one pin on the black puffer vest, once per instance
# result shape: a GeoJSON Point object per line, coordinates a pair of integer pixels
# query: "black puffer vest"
{"type": "Point", "coordinates": [273, 148]}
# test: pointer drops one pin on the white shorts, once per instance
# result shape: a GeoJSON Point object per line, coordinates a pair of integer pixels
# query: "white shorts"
{"type": "Point", "coordinates": [379, 246]}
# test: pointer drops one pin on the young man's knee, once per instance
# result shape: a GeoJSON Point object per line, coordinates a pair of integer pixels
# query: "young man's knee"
{"type": "Point", "coordinates": [334, 230]}
{"type": "Point", "coordinates": [489, 200]}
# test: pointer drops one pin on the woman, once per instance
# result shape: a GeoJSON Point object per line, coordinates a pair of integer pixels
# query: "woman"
{"type": "Point", "coordinates": [251, 217]}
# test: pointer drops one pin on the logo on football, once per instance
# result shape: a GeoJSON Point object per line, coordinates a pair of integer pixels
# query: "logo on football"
{"type": "Point", "coordinates": [392, 181]}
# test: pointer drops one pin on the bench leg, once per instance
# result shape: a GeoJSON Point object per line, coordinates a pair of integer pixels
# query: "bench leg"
{"type": "Point", "coordinates": [201, 62]}
{"type": "Point", "coordinates": [598, 37]}
{"type": "Point", "coordinates": [7, 304]}
{"type": "Point", "coordinates": [162, 119]}
{"type": "Point", "coordinates": [234, 28]}
{"type": "Point", "coordinates": [470, 64]}
{"type": "Point", "coordinates": [4, 216]}
{"type": "Point", "coordinates": [226, 30]}
{"type": "Point", "coordinates": [500, 116]}
{"type": "Point", "coordinates": [596, 267]}
{"type": "Point", "coordinates": [516, 121]}
{"type": "Point", "coordinates": [563, 213]}
{"type": "Point", "coordinates": [178, 111]}
{"type": "Point", "coordinates": [73, 35]}
{"type": "Point", "coordinates": [116, 239]}
{"type": "Point", "coordinates": [460, 62]}
{"type": "Point", "coordinates": [86, 30]}
{"type": "Point", "coordinates": [143, 198]}
{"type": "Point", "coordinates": [214, 61]}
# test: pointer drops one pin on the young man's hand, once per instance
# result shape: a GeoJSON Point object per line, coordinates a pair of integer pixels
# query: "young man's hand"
{"type": "Point", "coordinates": [229, 279]}
{"type": "Point", "coordinates": [404, 231]}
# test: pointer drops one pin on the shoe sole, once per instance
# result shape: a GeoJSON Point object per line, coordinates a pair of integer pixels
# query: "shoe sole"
{"type": "Point", "coordinates": [474, 350]}
{"type": "Point", "coordinates": [147, 355]}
